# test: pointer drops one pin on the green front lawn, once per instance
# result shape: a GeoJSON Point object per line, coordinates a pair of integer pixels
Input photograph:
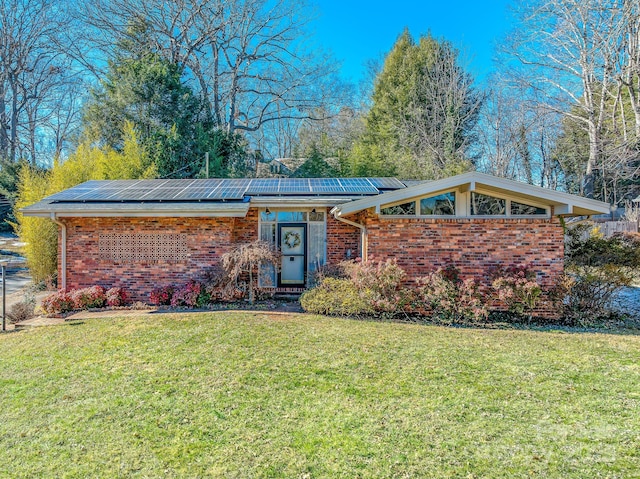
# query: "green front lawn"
{"type": "Point", "coordinates": [259, 395]}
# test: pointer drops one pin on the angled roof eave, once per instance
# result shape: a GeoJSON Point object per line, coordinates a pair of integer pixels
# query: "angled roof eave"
{"type": "Point", "coordinates": [567, 204]}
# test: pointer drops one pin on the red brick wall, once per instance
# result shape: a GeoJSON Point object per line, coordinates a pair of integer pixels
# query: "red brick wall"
{"type": "Point", "coordinates": [474, 246]}
{"type": "Point", "coordinates": [340, 238]}
{"type": "Point", "coordinates": [207, 239]}
{"type": "Point", "coordinates": [245, 230]}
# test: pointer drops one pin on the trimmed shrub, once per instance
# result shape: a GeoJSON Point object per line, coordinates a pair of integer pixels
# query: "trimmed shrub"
{"type": "Point", "coordinates": [585, 295]}
{"type": "Point", "coordinates": [116, 297]}
{"type": "Point", "coordinates": [58, 303]}
{"type": "Point", "coordinates": [359, 289]}
{"type": "Point", "coordinates": [446, 296]}
{"type": "Point", "coordinates": [338, 297]}
{"type": "Point", "coordinates": [384, 279]}
{"type": "Point", "coordinates": [192, 294]}
{"type": "Point", "coordinates": [381, 282]}
{"type": "Point", "coordinates": [596, 269]}
{"type": "Point", "coordinates": [161, 296]}
{"type": "Point", "coordinates": [85, 298]}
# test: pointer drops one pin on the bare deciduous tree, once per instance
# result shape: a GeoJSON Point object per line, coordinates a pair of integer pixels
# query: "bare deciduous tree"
{"type": "Point", "coordinates": [571, 49]}
{"type": "Point", "coordinates": [516, 136]}
{"type": "Point", "coordinates": [34, 76]}
{"type": "Point", "coordinates": [246, 58]}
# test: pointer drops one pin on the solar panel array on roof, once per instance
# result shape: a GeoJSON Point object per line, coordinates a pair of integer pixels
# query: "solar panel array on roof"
{"type": "Point", "coordinates": [221, 189]}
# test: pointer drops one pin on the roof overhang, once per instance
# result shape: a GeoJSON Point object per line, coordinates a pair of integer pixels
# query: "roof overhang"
{"type": "Point", "coordinates": [564, 204]}
{"type": "Point", "coordinates": [300, 201]}
{"type": "Point", "coordinates": [212, 210]}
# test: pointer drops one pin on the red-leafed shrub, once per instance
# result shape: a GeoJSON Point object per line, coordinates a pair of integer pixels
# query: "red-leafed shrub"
{"type": "Point", "coordinates": [93, 297]}
{"type": "Point", "coordinates": [161, 296]}
{"type": "Point", "coordinates": [116, 297]}
{"type": "Point", "coordinates": [191, 295]}
{"type": "Point", "coordinates": [58, 302]}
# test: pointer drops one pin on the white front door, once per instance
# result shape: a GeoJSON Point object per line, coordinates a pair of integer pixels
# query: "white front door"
{"type": "Point", "coordinates": [293, 245]}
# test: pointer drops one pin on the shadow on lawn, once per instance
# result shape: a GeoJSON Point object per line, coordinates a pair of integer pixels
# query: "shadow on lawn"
{"type": "Point", "coordinates": [504, 321]}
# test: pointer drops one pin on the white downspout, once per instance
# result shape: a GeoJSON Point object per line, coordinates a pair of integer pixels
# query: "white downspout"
{"type": "Point", "coordinates": [363, 232]}
{"type": "Point", "coordinates": [63, 251]}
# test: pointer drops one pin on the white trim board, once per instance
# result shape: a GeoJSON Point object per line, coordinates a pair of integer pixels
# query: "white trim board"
{"type": "Point", "coordinates": [563, 203]}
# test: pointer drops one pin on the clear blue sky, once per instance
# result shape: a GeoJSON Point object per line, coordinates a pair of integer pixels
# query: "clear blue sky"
{"type": "Point", "coordinates": [358, 30]}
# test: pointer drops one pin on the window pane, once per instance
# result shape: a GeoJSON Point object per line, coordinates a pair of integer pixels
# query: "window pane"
{"type": "Point", "coordinates": [317, 247]}
{"type": "Point", "coordinates": [522, 209]}
{"type": "Point", "coordinates": [271, 216]}
{"type": "Point", "coordinates": [267, 272]}
{"type": "Point", "coordinates": [317, 216]}
{"type": "Point", "coordinates": [444, 204]}
{"type": "Point", "coordinates": [292, 216]}
{"type": "Point", "coordinates": [268, 233]}
{"type": "Point", "coordinates": [404, 209]}
{"type": "Point", "coordinates": [487, 205]}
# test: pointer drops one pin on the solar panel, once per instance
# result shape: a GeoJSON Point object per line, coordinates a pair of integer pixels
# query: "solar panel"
{"type": "Point", "coordinates": [295, 186]}
{"type": "Point", "coordinates": [263, 185]}
{"type": "Point", "coordinates": [71, 194]}
{"type": "Point", "coordinates": [229, 193]}
{"type": "Point", "coordinates": [97, 194]}
{"type": "Point", "coordinates": [179, 183]}
{"type": "Point", "coordinates": [120, 195]}
{"type": "Point", "coordinates": [162, 193]}
{"type": "Point", "coordinates": [358, 185]}
{"type": "Point", "coordinates": [206, 183]}
{"type": "Point", "coordinates": [197, 193]}
{"type": "Point", "coordinates": [386, 183]}
{"type": "Point", "coordinates": [325, 185]}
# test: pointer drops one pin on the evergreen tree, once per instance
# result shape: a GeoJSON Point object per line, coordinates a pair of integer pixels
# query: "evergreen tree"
{"type": "Point", "coordinates": [145, 89]}
{"type": "Point", "coordinates": [315, 167]}
{"type": "Point", "coordinates": [424, 109]}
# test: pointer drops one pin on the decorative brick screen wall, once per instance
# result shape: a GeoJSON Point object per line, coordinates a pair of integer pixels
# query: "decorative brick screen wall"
{"type": "Point", "coordinates": [140, 254]}
{"type": "Point", "coordinates": [143, 247]}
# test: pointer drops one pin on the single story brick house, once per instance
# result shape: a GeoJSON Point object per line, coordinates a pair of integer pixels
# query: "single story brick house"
{"type": "Point", "coordinates": [140, 234]}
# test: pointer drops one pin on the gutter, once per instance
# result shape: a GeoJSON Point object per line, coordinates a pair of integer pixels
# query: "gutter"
{"type": "Point", "coordinates": [63, 251]}
{"type": "Point", "coordinates": [361, 227]}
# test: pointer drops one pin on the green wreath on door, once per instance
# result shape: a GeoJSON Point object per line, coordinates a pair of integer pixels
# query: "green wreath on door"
{"type": "Point", "coordinates": [292, 239]}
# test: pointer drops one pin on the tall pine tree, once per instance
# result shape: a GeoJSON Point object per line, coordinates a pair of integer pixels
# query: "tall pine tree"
{"type": "Point", "coordinates": [424, 110]}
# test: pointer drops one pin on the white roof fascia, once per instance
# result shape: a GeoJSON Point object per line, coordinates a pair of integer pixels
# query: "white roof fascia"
{"type": "Point", "coordinates": [474, 180]}
{"type": "Point", "coordinates": [233, 210]}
